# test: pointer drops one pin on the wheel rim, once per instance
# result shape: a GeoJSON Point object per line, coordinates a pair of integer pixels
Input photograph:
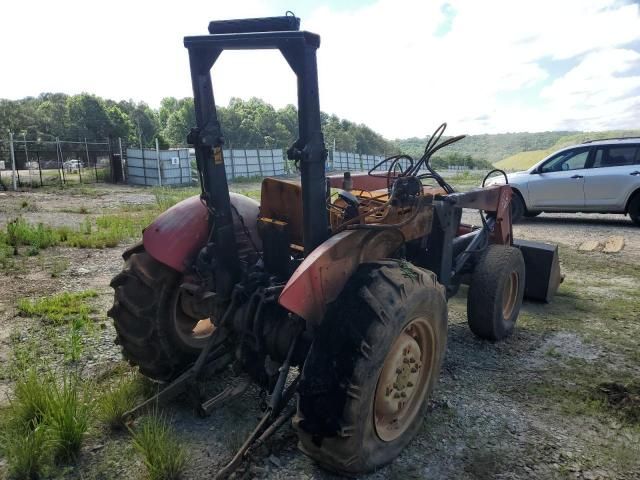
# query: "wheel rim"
{"type": "Point", "coordinates": [404, 380]}
{"type": "Point", "coordinates": [193, 332]}
{"type": "Point", "coordinates": [510, 295]}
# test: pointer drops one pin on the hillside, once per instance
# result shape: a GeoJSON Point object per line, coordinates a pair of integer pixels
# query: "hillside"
{"type": "Point", "coordinates": [492, 148]}
{"type": "Point", "coordinates": [525, 159]}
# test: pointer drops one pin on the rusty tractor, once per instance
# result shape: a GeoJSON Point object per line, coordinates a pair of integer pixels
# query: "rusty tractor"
{"type": "Point", "coordinates": [332, 290]}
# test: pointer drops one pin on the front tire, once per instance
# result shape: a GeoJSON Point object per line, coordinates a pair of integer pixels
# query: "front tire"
{"type": "Point", "coordinates": [152, 329]}
{"type": "Point", "coordinates": [495, 292]}
{"type": "Point", "coordinates": [518, 208]}
{"type": "Point", "coordinates": [372, 367]}
{"type": "Point", "coordinates": [634, 209]}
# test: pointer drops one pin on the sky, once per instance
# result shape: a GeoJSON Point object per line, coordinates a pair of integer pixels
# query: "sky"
{"type": "Point", "coordinates": [399, 66]}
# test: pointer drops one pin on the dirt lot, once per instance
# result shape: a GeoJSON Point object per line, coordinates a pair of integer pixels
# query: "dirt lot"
{"type": "Point", "coordinates": [533, 406]}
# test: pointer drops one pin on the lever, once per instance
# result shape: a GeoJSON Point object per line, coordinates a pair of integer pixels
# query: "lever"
{"type": "Point", "coordinates": [577, 176]}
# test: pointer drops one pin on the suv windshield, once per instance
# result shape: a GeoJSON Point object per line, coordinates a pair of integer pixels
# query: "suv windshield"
{"type": "Point", "coordinates": [575, 159]}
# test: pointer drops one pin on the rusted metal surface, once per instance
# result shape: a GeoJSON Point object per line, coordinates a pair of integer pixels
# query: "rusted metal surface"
{"type": "Point", "coordinates": [494, 199]}
{"type": "Point", "coordinates": [510, 294]}
{"type": "Point", "coordinates": [282, 200]}
{"type": "Point", "coordinates": [176, 236]}
{"type": "Point", "coordinates": [322, 275]}
{"type": "Point", "coordinates": [403, 380]}
{"type": "Point", "coordinates": [360, 181]}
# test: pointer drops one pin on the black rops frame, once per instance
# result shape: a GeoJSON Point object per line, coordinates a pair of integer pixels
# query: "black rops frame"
{"type": "Point", "coordinates": [299, 50]}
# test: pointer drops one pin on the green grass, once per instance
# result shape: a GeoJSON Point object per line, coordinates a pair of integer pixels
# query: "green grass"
{"type": "Point", "coordinates": [74, 345]}
{"type": "Point", "coordinates": [119, 398]}
{"type": "Point", "coordinates": [31, 396]}
{"type": "Point", "coordinates": [19, 232]}
{"type": "Point", "coordinates": [107, 231]}
{"type": "Point", "coordinates": [59, 309]}
{"type": "Point", "coordinates": [47, 420]}
{"type": "Point", "coordinates": [523, 160]}
{"type": "Point", "coordinates": [161, 452]}
{"type": "Point", "coordinates": [58, 266]}
{"type": "Point", "coordinates": [27, 450]}
{"type": "Point", "coordinates": [67, 415]}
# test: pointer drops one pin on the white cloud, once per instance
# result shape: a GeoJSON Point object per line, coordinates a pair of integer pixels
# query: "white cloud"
{"type": "Point", "coordinates": [380, 64]}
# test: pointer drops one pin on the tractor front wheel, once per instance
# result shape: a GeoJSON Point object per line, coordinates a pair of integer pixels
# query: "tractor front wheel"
{"type": "Point", "coordinates": [372, 367]}
{"type": "Point", "coordinates": [495, 292]}
{"type": "Point", "coordinates": [153, 330]}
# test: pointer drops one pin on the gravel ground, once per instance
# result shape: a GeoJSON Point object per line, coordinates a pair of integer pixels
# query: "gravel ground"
{"type": "Point", "coordinates": [499, 410]}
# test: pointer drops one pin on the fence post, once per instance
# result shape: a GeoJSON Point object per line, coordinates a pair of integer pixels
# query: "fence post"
{"type": "Point", "coordinates": [233, 167]}
{"type": "Point", "coordinates": [13, 162]}
{"type": "Point", "coordinates": [259, 162]}
{"type": "Point", "coordinates": [110, 153]}
{"type": "Point", "coordinates": [39, 167]}
{"type": "Point", "coordinates": [273, 163]}
{"type": "Point", "coordinates": [60, 161]}
{"type": "Point", "coordinates": [144, 165]}
{"type": "Point", "coordinates": [158, 161]}
{"type": "Point", "coordinates": [95, 164]}
{"type": "Point", "coordinates": [124, 179]}
{"type": "Point", "coordinates": [26, 159]}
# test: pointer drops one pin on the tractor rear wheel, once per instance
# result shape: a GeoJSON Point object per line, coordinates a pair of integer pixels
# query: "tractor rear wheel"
{"type": "Point", "coordinates": [152, 328]}
{"type": "Point", "coordinates": [372, 367]}
{"type": "Point", "coordinates": [495, 292]}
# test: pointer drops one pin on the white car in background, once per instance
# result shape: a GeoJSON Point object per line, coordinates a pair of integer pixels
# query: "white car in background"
{"type": "Point", "coordinates": [72, 165]}
{"type": "Point", "coordinates": [600, 176]}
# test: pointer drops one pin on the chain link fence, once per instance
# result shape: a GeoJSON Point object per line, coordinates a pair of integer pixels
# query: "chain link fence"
{"type": "Point", "coordinates": [37, 163]}
{"type": "Point", "coordinates": [61, 162]}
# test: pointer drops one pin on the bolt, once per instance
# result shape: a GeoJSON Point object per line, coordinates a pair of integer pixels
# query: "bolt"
{"type": "Point", "coordinates": [405, 360]}
{"type": "Point", "coordinates": [398, 370]}
{"type": "Point", "coordinates": [396, 395]}
{"type": "Point", "coordinates": [409, 384]}
{"type": "Point", "coordinates": [414, 370]}
{"type": "Point", "coordinates": [387, 391]}
{"type": "Point", "coordinates": [412, 360]}
{"type": "Point", "coordinates": [395, 385]}
{"type": "Point", "coordinates": [403, 395]}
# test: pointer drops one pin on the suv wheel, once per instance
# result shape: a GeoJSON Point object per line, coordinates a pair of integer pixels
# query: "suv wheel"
{"type": "Point", "coordinates": [634, 209]}
{"type": "Point", "coordinates": [518, 208]}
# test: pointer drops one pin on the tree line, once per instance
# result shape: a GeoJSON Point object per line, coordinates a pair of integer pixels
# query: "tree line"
{"type": "Point", "coordinates": [244, 123]}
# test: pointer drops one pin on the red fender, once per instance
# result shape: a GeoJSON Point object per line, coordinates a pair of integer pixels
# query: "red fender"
{"type": "Point", "coordinates": [323, 274]}
{"type": "Point", "coordinates": [177, 235]}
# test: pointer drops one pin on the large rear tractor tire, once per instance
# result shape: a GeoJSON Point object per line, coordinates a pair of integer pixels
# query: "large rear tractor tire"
{"type": "Point", "coordinates": [495, 292]}
{"type": "Point", "coordinates": [372, 367]}
{"type": "Point", "coordinates": [152, 328]}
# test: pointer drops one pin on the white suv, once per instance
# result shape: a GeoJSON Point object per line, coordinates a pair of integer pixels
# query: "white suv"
{"type": "Point", "coordinates": [601, 176]}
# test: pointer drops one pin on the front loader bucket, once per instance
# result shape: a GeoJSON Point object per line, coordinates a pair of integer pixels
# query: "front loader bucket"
{"type": "Point", "coordinates": [542, 267]}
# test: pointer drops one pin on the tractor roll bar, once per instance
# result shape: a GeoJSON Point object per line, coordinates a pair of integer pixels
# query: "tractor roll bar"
{"type": "Point", "coordinates": [249, 25]}
{"type": "Point", "coordinates": [299, 50]}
